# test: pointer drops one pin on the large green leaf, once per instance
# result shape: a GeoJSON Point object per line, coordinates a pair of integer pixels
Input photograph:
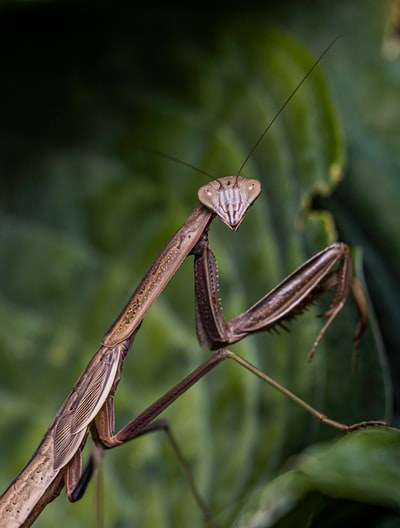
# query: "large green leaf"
{"type": "Point", "coordinates": [86, 208]}
{"type": "Point", "coordinates": [332, 485]}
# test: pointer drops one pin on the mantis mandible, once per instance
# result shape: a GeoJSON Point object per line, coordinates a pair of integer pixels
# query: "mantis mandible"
{"type": "Point", "coordinates": [89, 407]}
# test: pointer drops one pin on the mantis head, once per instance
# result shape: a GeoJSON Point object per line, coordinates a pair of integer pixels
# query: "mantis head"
{"type": "Point", "coordinates": [230, 197]}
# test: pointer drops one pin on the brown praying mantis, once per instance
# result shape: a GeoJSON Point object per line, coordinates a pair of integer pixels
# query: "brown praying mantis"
{"type": "Point", "coordinates": [89, 407]}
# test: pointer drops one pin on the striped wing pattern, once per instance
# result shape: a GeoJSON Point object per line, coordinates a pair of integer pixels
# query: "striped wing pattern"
{"type": "Point", "coordinates": [84, 402]}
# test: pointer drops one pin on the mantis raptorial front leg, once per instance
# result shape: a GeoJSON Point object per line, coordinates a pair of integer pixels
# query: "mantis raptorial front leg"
{"type": "Point", "coordinates": [290, 298]}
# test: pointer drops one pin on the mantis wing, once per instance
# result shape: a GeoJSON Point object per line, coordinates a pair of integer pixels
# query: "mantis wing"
{"type": "Point", "coordinates": [83, 404]}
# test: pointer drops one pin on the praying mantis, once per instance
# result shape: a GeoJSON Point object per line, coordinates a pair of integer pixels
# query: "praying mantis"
{"type": "Point", "coordinates": [89, 407]}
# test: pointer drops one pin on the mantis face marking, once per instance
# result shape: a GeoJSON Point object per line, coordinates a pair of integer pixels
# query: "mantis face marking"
{"type": "Point", "coordinates": [230, 197]}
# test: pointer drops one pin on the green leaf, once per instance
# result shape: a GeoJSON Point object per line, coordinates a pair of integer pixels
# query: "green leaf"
{"type": "Point", "coordinates": [331, 483]}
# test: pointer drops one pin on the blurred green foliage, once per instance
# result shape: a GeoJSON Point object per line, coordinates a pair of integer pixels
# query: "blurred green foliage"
{"type": "Point", "coordinates": [85, 208]}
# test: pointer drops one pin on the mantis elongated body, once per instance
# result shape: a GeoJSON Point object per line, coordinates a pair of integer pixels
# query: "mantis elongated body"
{"type": "Point", "coordinates": [57, 460]}
{"type": "Point", "coordinates": [89, 407]}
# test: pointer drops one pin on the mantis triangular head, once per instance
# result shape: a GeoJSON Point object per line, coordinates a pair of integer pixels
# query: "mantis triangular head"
{"type": "Point", "coordinates": [230, 197]}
